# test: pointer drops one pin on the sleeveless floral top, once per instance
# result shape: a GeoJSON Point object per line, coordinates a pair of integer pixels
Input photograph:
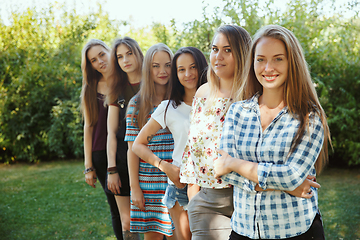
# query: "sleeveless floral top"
{"type": "Point", "coordinates": [206, 125]}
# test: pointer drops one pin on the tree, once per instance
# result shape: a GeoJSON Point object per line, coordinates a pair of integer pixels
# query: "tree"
{"type": "Point", "coordinates": [40, 71]}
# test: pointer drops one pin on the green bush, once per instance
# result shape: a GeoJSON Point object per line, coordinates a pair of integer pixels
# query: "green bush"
{"type": "Point", "coordinates": [66, 133]}
{"type": "Point", "coordinates": [40, 76]}
{"type": "Point", "coordinates": [40, 82]}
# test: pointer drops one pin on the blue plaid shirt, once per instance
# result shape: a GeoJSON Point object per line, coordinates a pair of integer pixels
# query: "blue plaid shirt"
{"type": "Point", "coordinates": [271, 214]}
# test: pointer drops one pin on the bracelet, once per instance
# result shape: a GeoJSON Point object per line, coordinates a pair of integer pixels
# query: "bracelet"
{"type": "Point", "coordinates": [111, 169]}
{"type": "Point", "coordinates": [112, 172]}
{"type": "Point", "coordinates": [160, 162]}
{"type": "Point", "coordinates": [90, 169]}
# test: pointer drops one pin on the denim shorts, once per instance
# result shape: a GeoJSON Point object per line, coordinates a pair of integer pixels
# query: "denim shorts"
{"type": "Point", "coordinates": [174, 194]}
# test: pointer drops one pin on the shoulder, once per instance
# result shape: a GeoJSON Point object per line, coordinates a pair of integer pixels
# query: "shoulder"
{"type": "Point", "coordinates": [132, 104]}
{"type": "Point", "coordinates": [133, 101]}
{"type": "Point", "coordinates": [203, 91]}
{"type": "Point", "coordinates": [243, 108]}
{"type": "Point", "coordinates": [163, 104]}
{"type": "Point", "coordinates": [160, 109]}
{"type": "Point", "coordinates": [242, 104]}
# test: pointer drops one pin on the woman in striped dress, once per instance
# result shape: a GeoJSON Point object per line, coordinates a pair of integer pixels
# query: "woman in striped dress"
{"type": "Point", "coordinates": [148, 184]}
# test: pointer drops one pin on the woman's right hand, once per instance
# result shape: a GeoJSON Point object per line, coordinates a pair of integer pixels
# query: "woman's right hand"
{"type": "Point", "coordinates": [137, 198]}
{"type": "Point", "coordinates": [172, 172]}
{"type": "Point", "coordinates": [90, 178]}
{"type": "Point", "coordinates": [114, 183]}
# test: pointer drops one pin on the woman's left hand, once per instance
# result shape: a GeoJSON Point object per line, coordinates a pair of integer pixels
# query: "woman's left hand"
{"type": "Point", "coordinates": [90, 178]}
{"type": "Point", "coordinates": [114, 183]}
{"type": "Point", "coordinates": [304, 190]}
{"type": "Point", "coordinates": [221, 165]}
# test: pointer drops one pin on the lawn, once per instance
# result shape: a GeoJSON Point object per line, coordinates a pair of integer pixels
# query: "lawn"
{"type": "Point", "coordinates": [52, 201]}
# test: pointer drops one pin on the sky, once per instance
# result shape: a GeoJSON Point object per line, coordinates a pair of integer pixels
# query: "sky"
{"type": "Point", "coordinates": [140, 12]}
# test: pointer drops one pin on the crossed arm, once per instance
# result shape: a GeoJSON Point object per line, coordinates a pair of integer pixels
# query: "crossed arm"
{"type": "Point", "coordinates": [292, 176]}
{"type": "Point", "coordinates": [226, 164]}
{"type": "Point", "coordinates": [141, 149]}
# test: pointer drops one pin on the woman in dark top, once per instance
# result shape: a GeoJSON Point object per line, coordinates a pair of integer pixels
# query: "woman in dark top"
{"type": "Point", "coordinates": [126, 58]}
{"type": "Point", "coordinates": [95, 65]}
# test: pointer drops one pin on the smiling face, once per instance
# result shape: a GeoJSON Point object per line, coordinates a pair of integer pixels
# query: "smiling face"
{"type": "Point", "coordinates": [99, 58]}
{"type": "Point", "coordinates": [271, 63]}
{"type": "Point", "coordinates": [221, 58]}
{"type": "Point", "coordinates": [161, 68]}
{"type": "Point", "coordinates": [126, 59]}
{"type": "Point", "coordinates": [187, 71]}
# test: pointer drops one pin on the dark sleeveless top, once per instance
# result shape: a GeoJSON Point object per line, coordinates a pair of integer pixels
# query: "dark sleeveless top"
{"type": "Point", "coordinates": [100, 128]}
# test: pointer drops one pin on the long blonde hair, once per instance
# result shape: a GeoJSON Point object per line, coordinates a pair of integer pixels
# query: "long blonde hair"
{"type": "Point", "coordinates": [118, 76]}
{"type": "Point", "coordinates": [299, 91]}
{"type": "Point", "coordinates": [146, 95]}
{"type": "Point", "coordinates": [240, 43]}
{"type": "Point", "coordinates": [90, 81]}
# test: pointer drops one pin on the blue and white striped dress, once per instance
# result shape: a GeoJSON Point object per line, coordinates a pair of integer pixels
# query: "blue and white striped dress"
{"type": "Point", "coordinates": [153, 182]}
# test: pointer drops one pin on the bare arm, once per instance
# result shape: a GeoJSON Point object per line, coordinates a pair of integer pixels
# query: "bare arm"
{"type": "Point", "coordinates": [141, 149]}
{"type": "Point", "coordinates": [137, 195]}
{"type": "Point", "coordinates": [90, 177]}
{"type": "Point", "coordinates": [114, 182]}
{"type": "Point", "coordinates": [112, 128]}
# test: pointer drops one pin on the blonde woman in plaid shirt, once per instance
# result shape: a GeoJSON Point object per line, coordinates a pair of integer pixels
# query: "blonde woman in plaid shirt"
{"type": "Point", "coordinates": [272, 141]}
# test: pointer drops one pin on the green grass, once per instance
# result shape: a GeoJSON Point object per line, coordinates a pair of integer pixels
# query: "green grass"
{"type": "Point", "coordinates": [339, 202]}
{"type": "Point", "coordinates": [52, 201]}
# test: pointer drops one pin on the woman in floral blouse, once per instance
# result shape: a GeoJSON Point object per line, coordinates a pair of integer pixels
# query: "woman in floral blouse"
{"type": "Point", "coordinates": [210, 205]}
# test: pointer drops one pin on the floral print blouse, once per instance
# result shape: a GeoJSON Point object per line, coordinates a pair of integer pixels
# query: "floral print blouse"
{"type": "Point", "coordinates": [206, 124]}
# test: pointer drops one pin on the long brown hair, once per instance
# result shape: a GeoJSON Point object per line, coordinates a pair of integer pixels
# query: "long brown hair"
{"type": "Point", "coordinates": [119, 77]}
{"type": "Point", "coordinates": [90, 81]}
{"type": "Point", "coordinates": [146, 95]}
{"type": "Point", "coordinates": [240, 43]}
{"type": "Point", "coordinates": [177, 90]}
{"type": "Point", "coordinates": [299, 91]}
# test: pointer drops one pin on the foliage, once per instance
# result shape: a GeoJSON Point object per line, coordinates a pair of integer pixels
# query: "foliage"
{"type": "Point", "coordinates": [200, 33]}
{"type": "Point", "coordinates": [40, 74]}
{"type": "Point", "coordinates": [332, 51]}
{"type": "Point", "coordinates": [40, 83]}
{"type": "Point", "coordinates": [66, 130]}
